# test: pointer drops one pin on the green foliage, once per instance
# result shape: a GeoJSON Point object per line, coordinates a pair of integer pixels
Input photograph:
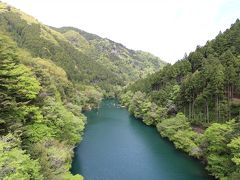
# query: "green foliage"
{"type": "Point", "coordinates": [169, 127]}
{"type": "Point", "coordinates": [37, 132]}
{"type": "Point", "coordinates": [18, 88]}
{"type": "Point", "coordinates": [219, 165]}
{"type": "Point", "coordinates": [92, 61]}
{"type": "Point", "coordinates": [65, 125]}
{"type": "Point", "coordinates": [37, 113]}
{"type": "Point", "coordinates": [216, 149]}
{"type": "Point", "coordinates": [216, 137]}
{"type": "Point", "coordinates": [178, 130]}
{"type": "Point", "coordinates": [54, 158]}
{"type": "Point", "coordinates": [188, 141]}
{"type": "Point", "coordinates": [234, 145]}
{"type": "Point", "coordinates": [204, 85]}
{"type": "Point", "coordinates": [92, 97]}
{"type": "Point", "coordinates": [126, 98]}
{"type": "Point", "coordinates": [60, 72]}
{"type": "Point", "coordinates": [127, 64]}
{"type": "Point", "coordinates": [136, 104]}
{"type": "Point", "coordinates": [214, 146]}
{"type": "Point", "coordinates": [15, 163]}
{"type": "Point", "coordinates": [142, 108]}
{"type": "Point", "coordinates": [69, 176]}
{"type": "Point", "coordinates": [153, 114]}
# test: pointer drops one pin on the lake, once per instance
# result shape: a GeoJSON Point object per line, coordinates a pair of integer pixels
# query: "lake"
{"type": "Point", "coordinates": [117, 146]}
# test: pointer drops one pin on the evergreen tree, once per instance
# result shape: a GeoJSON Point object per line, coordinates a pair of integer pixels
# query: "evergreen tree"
{"type": "Point", "coordinates": [18, 87]}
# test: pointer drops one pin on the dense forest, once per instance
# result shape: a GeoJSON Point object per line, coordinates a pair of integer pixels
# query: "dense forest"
{"type": "Point", "coordinates": [85, 57]}
{"type": "Point", "coordinates": [48, 76]}
{"type": "Point", "coordinates": [195, 103]}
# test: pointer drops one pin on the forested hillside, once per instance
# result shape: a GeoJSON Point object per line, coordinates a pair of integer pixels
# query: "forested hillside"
{"type": "Point", "coordinates": [46, 79]}
{"type": "Point", "coordinates": [203, 89]}
{"type": "Point", "coordinates": [48, 76]}
{"type": "Point", "coordinates": [86, 58]}
{"type": "Point", "coordinates": [40, 119]}
{"type": "Point", "coordinates": [128, 64]}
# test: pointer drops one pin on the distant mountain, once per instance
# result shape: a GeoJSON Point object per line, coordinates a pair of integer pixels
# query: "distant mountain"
{"type": "Point", "coordinates": [86, 58]}
{"type": "Point", "coordinates": [128, 64]}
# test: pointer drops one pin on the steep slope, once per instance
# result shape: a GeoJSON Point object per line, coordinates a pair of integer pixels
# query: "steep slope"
{"type": "Point", "coordinates": [128, 64]}
{"type": "Point", "coordinates": [44, 42]}
{"type": "Point", "coordinates": [195, 103]}
{"type": "Point", "coordinates": [40, 116]}
{"type": "Point", "coordinates": [98, 62]}
{"type": "Point", "coordinates": [46, 80]}
{"type": "Point", "coordinates": [40, 106]}
{"type": "Point", "coordinates": [206, 78]}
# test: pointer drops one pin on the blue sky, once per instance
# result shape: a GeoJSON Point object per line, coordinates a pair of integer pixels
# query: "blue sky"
{"type": "Point", "coordinates": [167, 29]}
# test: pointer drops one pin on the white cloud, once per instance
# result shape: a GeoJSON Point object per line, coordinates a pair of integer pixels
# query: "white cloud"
{"type": "Point", "coordinates": [167, 29]}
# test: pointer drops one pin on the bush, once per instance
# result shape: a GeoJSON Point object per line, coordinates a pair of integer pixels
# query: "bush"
{"type": "Point", "coordinates": [15, 163]}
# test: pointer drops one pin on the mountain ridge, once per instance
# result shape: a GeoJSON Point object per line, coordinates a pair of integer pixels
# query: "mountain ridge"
{"type": "Point", "coordinates": [47, 78]}
{"type": "Point", "coordinates": [84, 62]}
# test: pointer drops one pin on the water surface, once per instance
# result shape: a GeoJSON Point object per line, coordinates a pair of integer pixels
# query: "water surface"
{"type": "Point", "coordinates": [117, 146]}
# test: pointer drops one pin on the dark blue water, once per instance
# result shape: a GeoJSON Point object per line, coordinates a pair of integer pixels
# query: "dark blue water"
{"type": "Point", "coordinates": [117, 146]}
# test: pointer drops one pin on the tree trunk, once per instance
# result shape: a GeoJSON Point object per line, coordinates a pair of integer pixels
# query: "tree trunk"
{"type": "Point", "coordinates": [228, 101]}
{"type": "Point", "coordinates": [189, 111]}
{"type": "Point", "coordinates": [207, 112]}
{"type": "Point", "coordinates": [193, 110]}
{"type": "Point", "coordinates": [217, 108]}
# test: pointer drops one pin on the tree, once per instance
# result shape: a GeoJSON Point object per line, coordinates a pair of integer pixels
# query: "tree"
{"type": "Point", "coordinates": [169, 127]}
{"type": "Point", "coordinates": [213, 74]}
{"type": "Point", "coordinates": [231, 75]}
{"type": "Point", "coordinates": [150, 113]}
{"type": "Point", "coordinates": [126, 98]}
{"type": "Point", "coordinates": [15, 163]}
{"type": "Point", "coordinates": [54, 158]}
{"type": "Point", "coordinates": [196, 60]}
{"type": "Point", "coordinates": [214, 145]}
{"type": "Point", "coordinates": [135, 106]}
{"type": "Point", "coordinates": [187, 140]}
{"type": "Point", "coordinates": [18, 87]}
{"type": "Point", "coordinates": [234, 146]}
{"type": "Point", "coordinates": [65, 126]}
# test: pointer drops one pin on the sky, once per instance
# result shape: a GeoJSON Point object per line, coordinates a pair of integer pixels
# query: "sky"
{"type": "Point", "coordinates": [165, 28]}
